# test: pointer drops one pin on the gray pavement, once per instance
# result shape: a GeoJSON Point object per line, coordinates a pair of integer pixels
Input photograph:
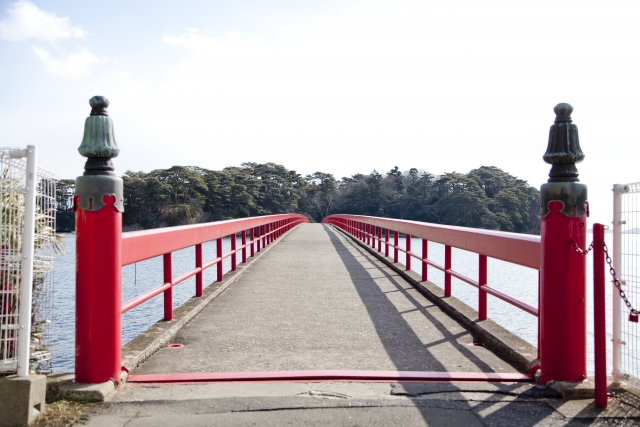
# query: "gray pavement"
{"type": "Point", "coordinates": [317, 300]}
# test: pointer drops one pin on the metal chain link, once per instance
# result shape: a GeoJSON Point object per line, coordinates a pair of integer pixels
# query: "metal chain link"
{"type": "Point", "coordinates": [580, 251]}
{"type": "Point", "coordinates": [633, 313]}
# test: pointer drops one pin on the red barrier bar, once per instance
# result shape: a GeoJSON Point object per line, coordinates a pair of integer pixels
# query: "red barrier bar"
{"type": "Point", "coordinates": [168, 294]}
{"type": "Point", "coordinates": [395, 246]}
{"type": "Point", "coordinates": [482, 283]}
{"type": "Point", "coordinates": [379, 239]}
{"type": "Point", "coordinates": [258, 238]}
{"type": "Point", "coordinates": [425, 255]}
{"type": "Point", "coordinates": [199, 274]}
{"type": "Point", "coordinates": [367, 228]}
{"type": "Point", "coordinates": [447, 267]}
{"type": "Point", "coordinates": [407, 244]}
{"type": "Point", "coordinates": [234, 257]}
{"type": "Point", "coordinates": [599, 317]}
{"type": "Point", "coordinates": [329, 375]}
{"type": "Point", "coordinates": [219, 254]}
{"type": "Point", "coordinates": [244, 246]}
{"type": "Point", "coordinates": [386, 242]}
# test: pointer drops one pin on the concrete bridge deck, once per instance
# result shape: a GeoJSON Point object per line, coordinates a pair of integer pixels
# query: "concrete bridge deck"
{"type": "Point", "coordinates": [318, 300]}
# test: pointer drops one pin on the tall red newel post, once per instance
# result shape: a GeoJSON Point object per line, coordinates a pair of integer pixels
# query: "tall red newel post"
{"type": "Point", "coordinates": [563, 215]}
{"type": "Point", "coordinates": [99, 206]}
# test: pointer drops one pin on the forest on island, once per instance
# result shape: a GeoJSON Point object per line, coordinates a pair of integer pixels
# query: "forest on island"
{"type": "Point", "coordinates": [486, 197]}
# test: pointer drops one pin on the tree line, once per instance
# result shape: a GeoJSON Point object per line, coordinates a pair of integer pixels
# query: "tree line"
{"type": "Point", "coordinates": [486, 197]}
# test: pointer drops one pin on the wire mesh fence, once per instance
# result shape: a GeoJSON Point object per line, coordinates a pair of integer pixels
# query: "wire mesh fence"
{"type": "Point", "coordinates": [626, 227]}
{"type": "Point", "coordinates": [13, 173]}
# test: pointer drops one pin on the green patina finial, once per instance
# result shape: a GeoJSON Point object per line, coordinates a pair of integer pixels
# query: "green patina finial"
{"type": "Point", "coordinates": [98, 139]}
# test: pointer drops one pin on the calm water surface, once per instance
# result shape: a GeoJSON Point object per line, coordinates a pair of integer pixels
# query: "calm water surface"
{"type": "Point", "coordinates": [516, 281]}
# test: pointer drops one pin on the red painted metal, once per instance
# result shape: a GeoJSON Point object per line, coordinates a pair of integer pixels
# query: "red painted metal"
{"type": "Point", "coordinates": [234, 256]}
{"type": "Point", "coordinates": [379, 239]}
{"type": "Point", "coordinates": [447, 271]}
{"type": "Point", "coordinates": [425, 255]}
{"type": "Point", "coordinates": [407, 243]}
{"type": "Point", "coordinates": [168, 293]}
{"type": "Point", "coordinates": [140, 245]}
{"type": "Point", "coordinates": [328, 375]}
{"type": "Point", "coordinates": [599, 317]}
{"type": "Point", "coordinates": [251, 238]}
{"type": "Point", "coordinates": [244, 246]}
{"type": "Point", "coordinates": [258, 238]}
{"type": "Point", "coordinates": [482, 283]}
{"type": "Point", "coordinates": [395, 247]}
{"type": "Point", "coordinates": [563, 325]}
{"type": "Point", "coordinates": [199, 273]}
{"type": "Point", "coordinates": [219, 254]}
{"type": "Point", "coordinates": [386, 242]}
{"type": "Point", "coordinates": [521, 249]}
{"type": "Point", "coordinates": [98, 293]}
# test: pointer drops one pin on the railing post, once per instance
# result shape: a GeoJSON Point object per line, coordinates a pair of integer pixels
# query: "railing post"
{"type": "Point", "coordinates": [599, 318]}
{"type": "Point", "coordinates": [379, 239]}
{"type": "Point", "coordinates": [219, 254]}
{"type": "Point", "coordinates": [234, 258]}
{"type": "Point", "coordinates": [482, 281]}
{"type": "Point", "coordinates": [244, 246]}
{"type": "Point", "coordinates": [447, 267]}
{"type": "Point", "coordinates": [168, 294]}
{"type": "Point", "coordinates": [407, 246]}
{"type": "Point", "coordinates": [563, 226]}
{"type": "Point", "coordinates": [386, 242]}
{"type": "Point", "coordinates": [98, 252]}
{"type": "Point", "coordinates": [258, 238]}
{"type": "Point", "coordinates": [425, 255]}
{"type": "Point", "coordinates": [199, 265]}
{"type": "Point", "coordinates": [251, 238]}
{"type": "Point", "coordinates": [395, 246]}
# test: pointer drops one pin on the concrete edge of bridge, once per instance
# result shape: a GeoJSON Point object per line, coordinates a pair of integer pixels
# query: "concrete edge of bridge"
{"type": "Point", "coordinates": [160, 334]}
{"type": "Point", "coordinates": [515, 350]}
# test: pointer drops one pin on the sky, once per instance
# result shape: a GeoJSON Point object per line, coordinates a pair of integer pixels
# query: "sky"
{"type": "Point", "coordinates": [342, 87]}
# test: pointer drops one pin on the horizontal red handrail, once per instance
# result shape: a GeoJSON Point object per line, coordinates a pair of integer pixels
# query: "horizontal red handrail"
{"type": "Point", "coordinates": [521, 249]}
{"type": "Point", "coordinates": [140, 245]}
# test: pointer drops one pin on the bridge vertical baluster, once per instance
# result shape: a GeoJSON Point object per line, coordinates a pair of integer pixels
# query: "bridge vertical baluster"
{"type": "Point", "coordinates": [395, 246]}
{"type": "Point", "coordinates": [386, 242]}
{"type": "Point", "coordinates": [379, 239]}
{"type": "Point", "coordinates": [425, 255]}
{"type": "Point", "coordinates": [252, 242]}
{"type": "Point", "coordinates": [482, 281]}
{"type": "Point", "coordinates": [368, 234]}
{"type": "Point", "coordinates": [407, 244]}
{"type": "Point", "coordinates": [234, 258]}
{"type": "Point", "coordinates": [219, 256]}
{"type": "Point", "coordinates": [372, 228]}
{"type": "Point", "coordinates": [199, 274]}
{"type": "Point", "coordinates": [244, 246]}
{"type": "Point", "coordinates": [168, 294]}
{"type": "Point", "coordinates": [258, 238]}
{"type": "Point", "coordinates": [447, 267]}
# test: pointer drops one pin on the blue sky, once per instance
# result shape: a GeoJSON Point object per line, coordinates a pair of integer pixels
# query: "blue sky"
{"type": "Point", "coordinates": [336, 86]}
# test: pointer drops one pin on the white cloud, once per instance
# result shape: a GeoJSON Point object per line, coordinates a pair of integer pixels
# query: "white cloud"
{"type": "Point", "coordinates": [72, 65]}
{"type": "Point", "coordinates": [27, 22]}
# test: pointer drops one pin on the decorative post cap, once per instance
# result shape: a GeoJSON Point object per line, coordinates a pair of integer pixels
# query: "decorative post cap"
{"type": "Point", "coordinates": [98, 139]}
{"type": "Point", "coordinates": [563, 150]}
{"type": "Point", "coordinates": [99, 142]}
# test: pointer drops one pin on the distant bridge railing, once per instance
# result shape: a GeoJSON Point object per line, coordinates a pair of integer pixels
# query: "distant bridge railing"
{"type": "Point", "coordinates": [520, 249]}
{"type": "Point", "coordinates": [141, 245]}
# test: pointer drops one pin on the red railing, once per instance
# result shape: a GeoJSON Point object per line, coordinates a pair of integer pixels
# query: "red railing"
{"type": "Point", "coordinates": [520, 249]}
{"type": "Point", "coordinates": [141, 245]}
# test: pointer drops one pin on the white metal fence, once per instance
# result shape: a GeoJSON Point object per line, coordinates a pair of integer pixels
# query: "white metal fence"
{"type": "Point", "coordinates": [28, 244]}
{"type": "Point", "coordinates": [626, 253]}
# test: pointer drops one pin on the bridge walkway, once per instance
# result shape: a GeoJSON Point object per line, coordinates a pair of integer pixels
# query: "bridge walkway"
{"type": "Point", "coordinates": [317, 300]}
